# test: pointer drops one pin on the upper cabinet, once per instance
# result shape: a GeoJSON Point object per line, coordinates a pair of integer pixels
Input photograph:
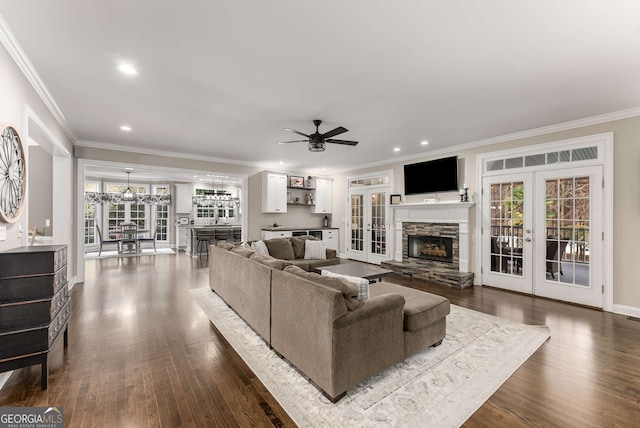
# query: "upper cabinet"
{"type": "Point", "coordinates": [323, 196]}
{"type": "Point", "coordinates": [274, 192]}
{"type": "Point", "coordinates": [184, 198]}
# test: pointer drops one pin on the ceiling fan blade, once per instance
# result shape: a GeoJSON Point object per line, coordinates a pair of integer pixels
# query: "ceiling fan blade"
{"type": "Point", "coordinates": [297, 132]}
{"type": "Point", "coordinates": [296, 141]}
{"type": "Point", "coordinates": [345, 142]}
{"type": "Point", "coordinates": [334, 132]}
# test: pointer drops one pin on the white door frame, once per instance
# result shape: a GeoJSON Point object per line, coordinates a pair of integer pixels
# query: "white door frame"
{"type": "Point", "coordinates": [604, 143]}
{"type": "Point", "coordinates": [389, 233]}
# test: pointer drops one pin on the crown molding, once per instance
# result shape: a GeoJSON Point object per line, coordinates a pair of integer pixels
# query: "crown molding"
{"type": "Point", "coordinates": [165, 153]}
{"type": "Point", "coordinates": [565, 126]}
{"type": "Point", "coordinates": [12, 46]}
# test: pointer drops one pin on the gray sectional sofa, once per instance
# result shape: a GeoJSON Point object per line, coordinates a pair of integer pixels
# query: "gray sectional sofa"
{"type": "Point", "coordinates": [316, 322]}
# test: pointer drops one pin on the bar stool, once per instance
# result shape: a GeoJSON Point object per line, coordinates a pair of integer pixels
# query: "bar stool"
{"type": "Point", "coordinates": [203, 236]}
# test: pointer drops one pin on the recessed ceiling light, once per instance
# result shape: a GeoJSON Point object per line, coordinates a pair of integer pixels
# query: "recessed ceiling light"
{"type": "Point", "coordinates": [281, 163]}
{"type": "Point", "coordinates": [424, 143]}
{"type": "Point", "coordinates": [125, 128]}
{"type": "Point", "coordinates": [396, 149]}
{"type": "Point", "coordinates": [128, 69]}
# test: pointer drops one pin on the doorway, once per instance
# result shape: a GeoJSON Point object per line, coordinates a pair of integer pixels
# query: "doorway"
{"type": "Point", "coordinates": [368, 218]}
{"type": "Point", "coordinates": [543, 228]}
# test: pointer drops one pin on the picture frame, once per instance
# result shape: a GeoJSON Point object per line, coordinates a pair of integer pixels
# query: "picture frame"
{"type": "Point", "coordinates": [296, 181]}
{"type": "Point", "coordinates": [396, 199]}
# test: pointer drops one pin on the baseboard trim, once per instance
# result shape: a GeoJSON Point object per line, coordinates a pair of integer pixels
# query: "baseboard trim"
{"type": "Point", "coordinates": [626, 310]}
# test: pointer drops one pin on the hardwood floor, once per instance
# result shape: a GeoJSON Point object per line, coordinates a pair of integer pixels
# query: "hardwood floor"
{"type": "Point", "coordinates": [141, 353]}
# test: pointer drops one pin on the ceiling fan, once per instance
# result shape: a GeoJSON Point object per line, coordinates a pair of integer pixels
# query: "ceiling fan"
{"type": "Point", "coordinates": [317, 141]}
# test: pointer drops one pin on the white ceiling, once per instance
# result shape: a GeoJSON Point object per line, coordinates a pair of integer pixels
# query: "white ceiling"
{"type": "Point", "coordinates": [222, 78]}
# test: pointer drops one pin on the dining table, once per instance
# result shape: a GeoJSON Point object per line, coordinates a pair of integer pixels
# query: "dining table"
{"type": "Point", "coordinates": [132, 245]}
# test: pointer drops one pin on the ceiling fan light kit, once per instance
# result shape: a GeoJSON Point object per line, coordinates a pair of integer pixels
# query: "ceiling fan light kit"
{"type": "Point", "coordinates": [317, 141]}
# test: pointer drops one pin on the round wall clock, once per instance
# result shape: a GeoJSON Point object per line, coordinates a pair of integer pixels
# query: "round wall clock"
{"type": "Point", "coordinates": [13, 174]}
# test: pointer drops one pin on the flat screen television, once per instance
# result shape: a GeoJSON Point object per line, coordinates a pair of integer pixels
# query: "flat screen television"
{"type": "Point", "coordinates": [439, 175]}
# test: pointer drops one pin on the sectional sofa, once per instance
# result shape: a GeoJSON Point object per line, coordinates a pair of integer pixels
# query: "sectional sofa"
{"type": "Point", "coordinates": [316, 322]}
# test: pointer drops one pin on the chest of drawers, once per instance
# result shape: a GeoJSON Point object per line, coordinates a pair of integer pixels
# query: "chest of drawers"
{"type": "Point", "coordinates": [34, 305]}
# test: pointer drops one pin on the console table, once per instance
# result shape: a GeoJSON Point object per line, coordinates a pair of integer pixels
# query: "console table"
{"type": "Point", "coordinates": [34, 305]}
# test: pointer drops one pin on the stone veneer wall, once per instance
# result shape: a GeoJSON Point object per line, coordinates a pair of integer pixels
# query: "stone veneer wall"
{"type": "Point", "coordinates": [448, 230]}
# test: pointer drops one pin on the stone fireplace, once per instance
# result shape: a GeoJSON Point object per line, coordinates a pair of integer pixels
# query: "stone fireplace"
{"type": "Point", "coordinates": [432, 242]}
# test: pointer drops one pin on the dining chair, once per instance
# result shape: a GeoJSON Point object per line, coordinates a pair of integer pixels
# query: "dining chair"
{"type": "Point", "coordinates": [101, 241]}
{"type": "Point", "coordinates": [129, 237]}
{"type": "Point", "coordinates": [153, 238]}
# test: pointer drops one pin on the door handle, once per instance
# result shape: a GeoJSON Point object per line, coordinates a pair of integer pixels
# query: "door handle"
{"type": "Point", "coordinates": [528, 230]}
{"type": "Point", "coordinates": [528, 239]}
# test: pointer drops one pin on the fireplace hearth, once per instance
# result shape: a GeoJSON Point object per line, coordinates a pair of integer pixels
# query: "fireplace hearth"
{"type": "Point", "coordinates": [436, 248]}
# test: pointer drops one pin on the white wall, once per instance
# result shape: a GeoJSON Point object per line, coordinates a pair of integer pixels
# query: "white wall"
{"type": "Point", "coordinates": [19, 103]}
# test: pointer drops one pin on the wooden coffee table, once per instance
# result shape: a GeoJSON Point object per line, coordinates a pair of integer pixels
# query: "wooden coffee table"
{"type": "Point", "coordinates": [363, 270]}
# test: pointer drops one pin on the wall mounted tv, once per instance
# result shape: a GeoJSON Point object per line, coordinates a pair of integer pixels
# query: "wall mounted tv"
{"type": "Point", "coordinates": [439, 175]}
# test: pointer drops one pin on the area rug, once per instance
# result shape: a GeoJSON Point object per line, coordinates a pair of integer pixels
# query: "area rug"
{"type": "Point", "coordinates": [114, 253]}
{"type": "Point", "coordinates": [439, 387]}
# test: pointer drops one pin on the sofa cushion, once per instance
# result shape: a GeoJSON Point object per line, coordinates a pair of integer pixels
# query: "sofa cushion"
{"type": "Point", "coordinates": [245, 252]}
{"type": "Point", "coordinates": [421, 309]}
{"type": "Point", "coordinates": [269, 261]}
{"type": "Point", "coordinates": [361, 283]}
{"type": "Point", "coordinates": [315, 250]}
{"type": "Point", "coordinates": [302, 263]}
{"type": "Point", "coordinates": [280, 248]}
{"type": "Point", "coordinates": [260, 247]}
{"type": "Point", "coordinates": [298, 244]}
{"type": "Point", "coordinates": [348, 289]}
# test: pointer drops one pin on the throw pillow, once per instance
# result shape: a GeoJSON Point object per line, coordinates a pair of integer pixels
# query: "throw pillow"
{"type": "Point", "coordinates": [315, 250]}
{"type": "Point", "coordinates": [280, 248]}
{"type": "Point", "coordinates": [361, 283]}
{"type": "Point", "coordinates": [260, 248]}
{"type": "Point", "coordinates": [268, 261]}
{"type": "Point", "coordinates": [298, 243]}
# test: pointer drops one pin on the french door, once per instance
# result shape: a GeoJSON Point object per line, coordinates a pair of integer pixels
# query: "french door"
{"type": "Point", "coordinates": [542, 234]}
{"type": "Point", "coordinates": [368, 225]}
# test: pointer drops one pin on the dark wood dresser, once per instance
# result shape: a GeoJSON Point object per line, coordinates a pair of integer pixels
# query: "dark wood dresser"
{"type": "Point", "coordinates": [34, 305]}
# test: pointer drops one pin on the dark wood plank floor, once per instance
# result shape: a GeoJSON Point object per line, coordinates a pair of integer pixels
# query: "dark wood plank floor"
{"type": "Point", "coordinates": [141, 353]}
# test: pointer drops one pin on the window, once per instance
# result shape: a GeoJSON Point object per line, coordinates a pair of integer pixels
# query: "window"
{"type": "Point", "coordinates": [128, 212]}
{"type": "Point", "coordinates": [161, 214]}
{"type": "Point", "coordinates": [90, 213]}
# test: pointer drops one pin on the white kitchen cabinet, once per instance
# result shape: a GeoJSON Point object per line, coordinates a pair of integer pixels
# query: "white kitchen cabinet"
{"type": "Point", "coordinates": [274, 192]}
{"type": "Point", "coordinates": [331, 237]}
{"type": "Point", "coordinates": [323, 196]}
{"type": "Point", "coordinates": [182, 236]}
{"type": "Point", "coordinates": [270, 234]}
{"type": "Point", "coordinates": [184, 198]}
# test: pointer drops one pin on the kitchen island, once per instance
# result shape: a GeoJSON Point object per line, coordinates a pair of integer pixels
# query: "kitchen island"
{"type": "Point", "coordinates": [216, 233]}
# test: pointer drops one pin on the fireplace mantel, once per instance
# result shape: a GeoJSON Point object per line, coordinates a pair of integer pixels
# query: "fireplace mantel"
{"type": "Point", "coordinates": [444, 212]}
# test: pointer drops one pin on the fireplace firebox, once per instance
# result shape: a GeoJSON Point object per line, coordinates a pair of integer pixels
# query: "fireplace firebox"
{"type": "Point", "coordinates": [438, 248]}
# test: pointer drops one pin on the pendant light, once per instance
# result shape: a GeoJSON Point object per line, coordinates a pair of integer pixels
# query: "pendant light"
{"type": "Point", "coordinates": [128, 194]}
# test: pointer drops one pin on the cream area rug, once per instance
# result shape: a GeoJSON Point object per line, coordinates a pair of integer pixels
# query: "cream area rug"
{"type": "Point", "coordinates": [114, 253]}
{"type": "Point", "coordinates": [439, 387]}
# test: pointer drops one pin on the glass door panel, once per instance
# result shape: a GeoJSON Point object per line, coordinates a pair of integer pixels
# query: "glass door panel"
{"type": "Point", "coordinates": [571, 234]}
{"type": "Point", "coordinates": [507, 232]}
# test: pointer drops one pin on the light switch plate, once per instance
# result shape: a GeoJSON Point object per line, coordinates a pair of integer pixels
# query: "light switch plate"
{"type": "Point", "coordinates": [3, 233]}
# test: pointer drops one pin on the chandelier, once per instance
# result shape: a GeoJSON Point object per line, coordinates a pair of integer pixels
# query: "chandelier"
{"type": "Point", "coordinates": [218, 198]}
